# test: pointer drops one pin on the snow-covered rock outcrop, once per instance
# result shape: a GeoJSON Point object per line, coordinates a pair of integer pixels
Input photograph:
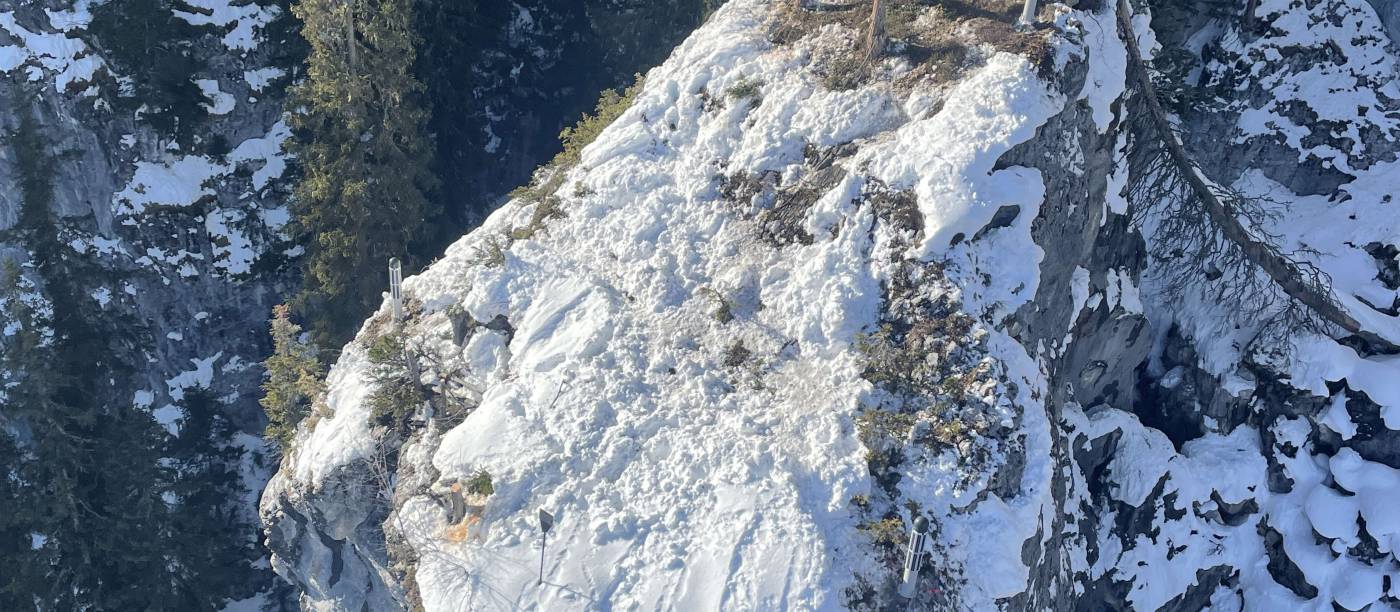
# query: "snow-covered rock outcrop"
{"type": "Point", "coordinates": [776, 320]}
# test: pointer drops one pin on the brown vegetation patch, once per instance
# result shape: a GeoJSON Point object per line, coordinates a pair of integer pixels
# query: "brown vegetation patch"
{"type": "Point", "coordinates": [935, 36]}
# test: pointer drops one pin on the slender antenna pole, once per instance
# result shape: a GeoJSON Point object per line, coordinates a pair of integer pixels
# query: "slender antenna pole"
{"type": "Point", "coordinates": [1028, 14]}
{"type": "Point", "coordinates": [396, 287]}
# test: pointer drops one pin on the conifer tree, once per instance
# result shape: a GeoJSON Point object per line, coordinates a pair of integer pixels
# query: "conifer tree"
{"type": "Point", "coordinates": [364, 158]}
{"type": "Point", "coordinates": [212, 539]}
{"type": "Point", "coordinates": [293, 378]}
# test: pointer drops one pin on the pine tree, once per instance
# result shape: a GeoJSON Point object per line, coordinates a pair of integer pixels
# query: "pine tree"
{"type": "Point", "coordinates": [207, 533]}
{"type": "Point", "coordinates": [363, 154]}
{"type": "Point", "coordinates": [293, 378]}
{"type": "Point", "coordinates": [23, 338]}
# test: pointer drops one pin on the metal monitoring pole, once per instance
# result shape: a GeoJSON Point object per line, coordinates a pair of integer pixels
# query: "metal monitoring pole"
{"type": "Point", "coordinates": [1027, 14]}
{"type": "Point", "coordinates": [915, 558]}
{"type": "Point", "coordinates": [396, 287]}
{"type": "Point", "coordinates": [546, 523]}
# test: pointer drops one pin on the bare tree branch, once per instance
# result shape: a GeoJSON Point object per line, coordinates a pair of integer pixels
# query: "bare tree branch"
{"type": "Point", "coordinates": [1218, 231]}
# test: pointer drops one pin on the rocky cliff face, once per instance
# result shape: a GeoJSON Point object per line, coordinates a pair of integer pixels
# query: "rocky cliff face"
{"type": "Point", "coordinates": [174, 207]}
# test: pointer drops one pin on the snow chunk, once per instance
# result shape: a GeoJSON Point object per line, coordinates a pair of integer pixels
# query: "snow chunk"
{"type": "Point", "coordinates": [220, 103]}
{"type": "Point", "coordinates": [169, 416]}
{"type": "Point", "coordinates": [259, 79]}
{"type": "Point", "coordinates": [1337, 418]}
{"type": "Point", "coordinates": [180, 182]}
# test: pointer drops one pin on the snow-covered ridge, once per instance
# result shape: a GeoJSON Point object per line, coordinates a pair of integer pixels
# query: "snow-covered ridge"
{"type": "Point", "coordinates": [686, 392]}
{"type": "Point", "coordinates": [679, 481]}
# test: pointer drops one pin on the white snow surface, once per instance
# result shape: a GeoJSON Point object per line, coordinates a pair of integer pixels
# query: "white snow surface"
{"type": "Point", "coordinates": [241, 21]}
{"type": "Point", "coordinates": [678, 482]}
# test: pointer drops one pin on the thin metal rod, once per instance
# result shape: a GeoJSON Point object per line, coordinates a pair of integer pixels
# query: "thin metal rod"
{"type": "Point", "coordinates": [396, 287]}
{"type": "Point", "coordinates": [1028, 13]}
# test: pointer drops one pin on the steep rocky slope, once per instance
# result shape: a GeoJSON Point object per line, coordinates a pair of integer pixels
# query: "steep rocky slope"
{"type": "Point", "coordinates": [161, 127]}
{"type": "Point", "coordinates": [776, 312]}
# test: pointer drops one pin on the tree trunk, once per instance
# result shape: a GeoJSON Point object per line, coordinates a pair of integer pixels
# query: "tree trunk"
{"type": "Point", "coordinates": [1277, 268]}
{"type": "Point", "coordinates": [350, 34]}
{"type": "Point", "coordinates": [875, 37]}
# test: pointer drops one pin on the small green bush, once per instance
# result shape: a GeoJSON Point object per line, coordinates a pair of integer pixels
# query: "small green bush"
{"type": "Point", "coordinates": [480, 484]}
{"type": "Point", "coordinates": [611, 105]}
{"type": "Point", "coordinates": [546, 208]}
{"type": "Point", "coordinates": [396, 394]}
{"type": "Point", "coordinates": [295, 379]}
{"type": "Point", "coordinates": [492, 252]}
{"type": "Point", "coordinates": [745, 89]}
{"type": "Point", "coordinates": [736, 354]}
{"type": "Point", "coordinates": [724, 309]}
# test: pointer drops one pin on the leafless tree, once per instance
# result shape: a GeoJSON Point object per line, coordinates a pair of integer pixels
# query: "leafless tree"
{"type": "Point", "coordinates": [1214, 233]}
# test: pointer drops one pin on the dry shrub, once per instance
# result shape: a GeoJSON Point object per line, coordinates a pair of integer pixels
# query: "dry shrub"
{"type": "Point", "coordinates": [936, 38]}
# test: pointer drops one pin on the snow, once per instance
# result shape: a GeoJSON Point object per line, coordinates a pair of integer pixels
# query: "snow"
{"type": "Point", "coordinates": [143, 399]}
{"type": "Point", "coordinates": [1355, 41]}
{"type": "Point", "coordinates": [1338, 419]}
{"type": "Point", "coordinates": [678, 482]}
{"type": "Point", "coordinates": [267, 149]}
{"type": "Point", "coordinates": [959, 192]}
{"type": "Point", "coordinates": [184, 180]}
{"type": "Point", "coordinates": [169, 416]}
{"type": "Point", "coordinates": [220, 103]}
{"type": "Point", "coordinates": [1079, 293]}
{"type": "Point", "coordinates": [235, 253]}
{"type": "Point", "coordinates": [194, 180]}
{"type": "Point", "coordinates": [179, 182]}
{"type": "Point", "coordinates": [241, 22]}
{"type": "Point", "coordinates": [1322, 360]}
{"type": "Point", "coordinates": [1107, 77]}
{"type": "Point", "coordinates": [201, 376]}
{"type": "Point", "coordinates": [259, 79]}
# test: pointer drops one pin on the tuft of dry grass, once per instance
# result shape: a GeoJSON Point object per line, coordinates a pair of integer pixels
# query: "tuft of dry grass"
{"type": "Point", "coordinates": [936, 36]}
